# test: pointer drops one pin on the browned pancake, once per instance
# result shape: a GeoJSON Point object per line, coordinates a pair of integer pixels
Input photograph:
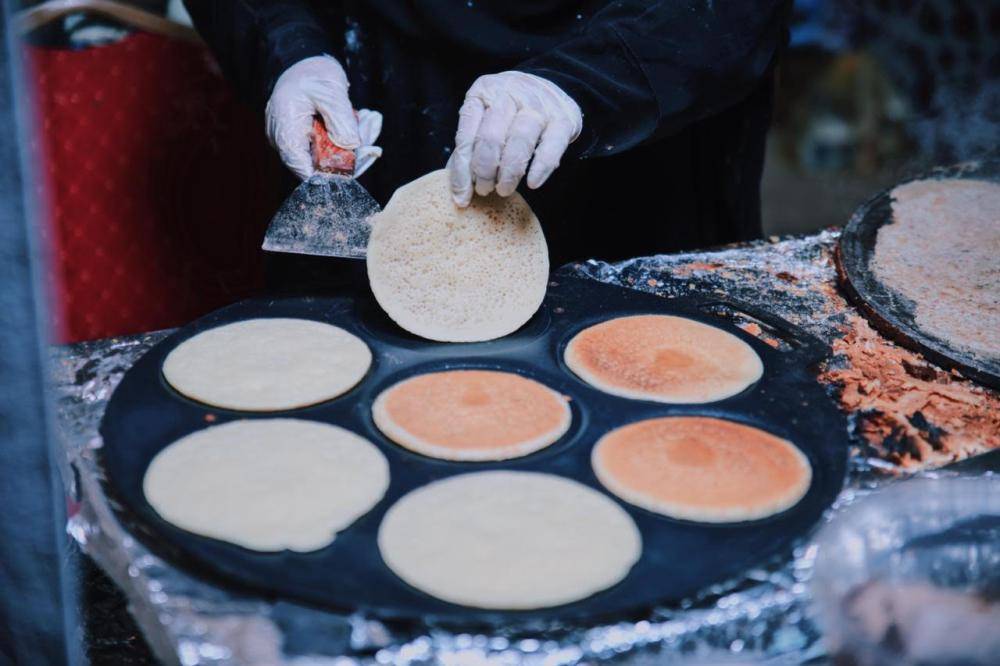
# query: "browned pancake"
{"type": "Point", "coordinates": [471, 415]}
{"type": "Point", "coordinates": [703, 469]}
{"type": "Point", "coordinates": [663, 358]}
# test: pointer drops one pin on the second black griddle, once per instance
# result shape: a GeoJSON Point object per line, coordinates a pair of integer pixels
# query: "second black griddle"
{"type": "Point", "coordinates": [679, 557]}
{"type": "Point", "coordinates": [891, 313]}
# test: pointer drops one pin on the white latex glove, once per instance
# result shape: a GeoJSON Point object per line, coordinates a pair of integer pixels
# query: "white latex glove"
{"type": "Point", "coordinates": [507, 120]}
{"type": "Point", "coordinates": [311, 86]}
{"type": "Point", "coordinates": [369, 127]}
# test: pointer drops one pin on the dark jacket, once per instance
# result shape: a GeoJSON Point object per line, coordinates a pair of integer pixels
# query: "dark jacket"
{"type": "Point", "coordinates": [676, 98]}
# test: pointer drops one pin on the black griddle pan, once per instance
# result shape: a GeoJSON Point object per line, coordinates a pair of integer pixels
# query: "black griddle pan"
{"type": "Point", "coordinates": [679, 558]}
{"type": "Point", "coordinates": [891, 313]}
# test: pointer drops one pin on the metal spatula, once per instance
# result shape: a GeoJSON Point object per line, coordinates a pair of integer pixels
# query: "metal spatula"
{"type": "Point", "coordinates": [329, 214]}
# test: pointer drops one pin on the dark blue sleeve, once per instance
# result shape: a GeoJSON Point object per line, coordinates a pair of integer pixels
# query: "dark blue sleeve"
{"type": "Point", "coordinates": [256, 40]}
{"type": "Point", "coordinates": [643, 70]}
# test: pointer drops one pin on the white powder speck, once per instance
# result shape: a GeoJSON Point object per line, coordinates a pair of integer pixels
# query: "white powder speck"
{"type": "Point", "coordinates": [352, 37]}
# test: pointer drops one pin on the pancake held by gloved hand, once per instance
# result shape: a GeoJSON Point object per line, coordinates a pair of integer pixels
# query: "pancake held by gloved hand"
{"type": "Point", "coordinates": [267, 364]}
{"type": "Point", "coordinates": [509, 540]}
{"type": "Point", "coordinates": [471, 415]}
{"type": "Point", "coordinates": [457, 274]}
{"type": "Point", "coordinates": [942, 252]}
{"type": "Point", "coordinates": [663, 358]}
{"type": "Point", "coordinates": [703, 469]}
{"type": "Point", "coordinates": [267, 484]}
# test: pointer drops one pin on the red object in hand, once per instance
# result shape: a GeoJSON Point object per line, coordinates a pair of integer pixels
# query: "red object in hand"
{"type": "Point", "coordinates": [327, 156]}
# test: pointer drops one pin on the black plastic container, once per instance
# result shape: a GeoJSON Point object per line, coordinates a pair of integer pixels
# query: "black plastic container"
{"type": "Point", "coordinates": [679, 557]}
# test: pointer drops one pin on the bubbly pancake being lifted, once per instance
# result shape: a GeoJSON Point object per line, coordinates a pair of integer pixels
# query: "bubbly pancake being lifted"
{"type": "Point", "coordinates": [471, 415]}
{"type": "Point", "coordinates": [702, 469]}
{"type": "Point", "coordinates": [457, 274]}
{"type": "Point", "coordinates": [663, 358]}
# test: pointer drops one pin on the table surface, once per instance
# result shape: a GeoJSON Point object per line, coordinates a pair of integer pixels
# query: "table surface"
{"type": "Point", "coordinates": [905, 416]}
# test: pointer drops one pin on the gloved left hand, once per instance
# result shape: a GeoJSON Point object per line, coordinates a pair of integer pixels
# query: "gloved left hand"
{"type": "Point", "coordinates": [507, 120]}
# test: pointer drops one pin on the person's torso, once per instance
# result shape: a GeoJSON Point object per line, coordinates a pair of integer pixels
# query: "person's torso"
{"type": "Point", "coordinates": [414, 61]}
{"type": "Point", "coordinates": [499, 32]}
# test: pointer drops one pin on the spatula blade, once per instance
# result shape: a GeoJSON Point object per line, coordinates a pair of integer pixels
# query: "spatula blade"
{"type": "Point", "coordinates": [327, 215]}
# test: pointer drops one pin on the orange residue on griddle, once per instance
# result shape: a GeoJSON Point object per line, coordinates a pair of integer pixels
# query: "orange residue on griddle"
{"type": "Point", "coordinates": [755, 330]}
{"type": "Point", "coordinates": [687, 269]}
{"type": "Point", "coordinates": [911, 412]}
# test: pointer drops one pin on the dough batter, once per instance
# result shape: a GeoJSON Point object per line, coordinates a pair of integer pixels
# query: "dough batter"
{"type": "Point", "coordinates": [703, 469]}
{"type": "Point", "coordinates": [457, 274]}
{"type": "Point", "coordinates": [663, 358]}
{"type": "Point", "coordinates": [942, 253]}
{"type": "Point", "coordinates": [509, 540]}
{"type": "Point", "coordinates": [471, 415]}
{"type": "Point", "coordinates": [267, 484]}
{"type": "Point", "coordinates": [265, 365]}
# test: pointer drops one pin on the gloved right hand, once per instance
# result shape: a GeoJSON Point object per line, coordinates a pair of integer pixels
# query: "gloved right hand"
{"type": "Point", "coordinates": [318, 85]}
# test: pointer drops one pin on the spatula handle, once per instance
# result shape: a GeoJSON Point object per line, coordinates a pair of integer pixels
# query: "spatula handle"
{"type": "Point", "coordinates": [327, 156]}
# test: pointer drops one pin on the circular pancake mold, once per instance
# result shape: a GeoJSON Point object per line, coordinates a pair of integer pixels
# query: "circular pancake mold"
{"type": "Point", "coordinates": [144, 416]}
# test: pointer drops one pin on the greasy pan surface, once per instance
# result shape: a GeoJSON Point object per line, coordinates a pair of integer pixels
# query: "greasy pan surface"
{"type": "Point", "coordinates": [145, 415]}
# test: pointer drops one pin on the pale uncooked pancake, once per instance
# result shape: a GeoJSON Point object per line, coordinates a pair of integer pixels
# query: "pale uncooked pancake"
{"type": "Point", "coordinates": [267, 364]}
{"type": "Point", "coordinates": [663, 358]}
{"type": "Point", "coordinates": [471, 415]}
{"type": "Point", "coordinates": [267, 484]}
{"type": "Point", "coordinates": [702, 469]}
{"type": "Point", "coordinates": [457, 274]}
{"type": "Point", "coordinates": [509, 540]}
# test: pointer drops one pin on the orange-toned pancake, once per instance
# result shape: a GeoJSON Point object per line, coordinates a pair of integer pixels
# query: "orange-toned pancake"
{"type": "Point", "coordinates": [703, 469]}
{"type": "Point", "coordinates": [663, 358]}
{"type": "Point", "coordinates": [471, 415]}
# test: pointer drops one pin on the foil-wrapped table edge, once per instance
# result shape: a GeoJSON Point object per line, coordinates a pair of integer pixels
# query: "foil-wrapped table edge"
{"type": "Point", "coordinates": [765, 615]}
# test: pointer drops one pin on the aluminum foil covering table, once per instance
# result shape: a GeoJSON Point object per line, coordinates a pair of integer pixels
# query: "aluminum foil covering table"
{"type": "Point", "coordinates": [765, 615]}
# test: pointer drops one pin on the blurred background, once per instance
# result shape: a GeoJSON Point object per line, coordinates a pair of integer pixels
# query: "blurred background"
{"type": "Point", "coordinates": [137, 133]}
{"type": "Point", "coordinates": [871, 91]}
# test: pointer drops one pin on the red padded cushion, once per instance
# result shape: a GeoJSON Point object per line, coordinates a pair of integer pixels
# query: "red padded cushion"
{"type": "Point", "coordinates": [157, 185]}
